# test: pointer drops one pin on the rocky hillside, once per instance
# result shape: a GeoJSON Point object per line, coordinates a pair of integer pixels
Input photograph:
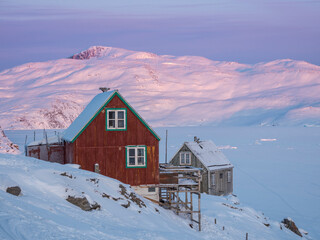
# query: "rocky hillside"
{"type": "Point", "coordinates": [165, 90]}
{"type": "Point", "coordinates": [43, 200]}
{"type": "Point", "coordinates": [6, 146]}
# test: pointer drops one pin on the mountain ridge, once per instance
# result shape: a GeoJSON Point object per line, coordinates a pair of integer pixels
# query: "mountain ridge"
{"type": "Point", "coordinates": [166, 90]}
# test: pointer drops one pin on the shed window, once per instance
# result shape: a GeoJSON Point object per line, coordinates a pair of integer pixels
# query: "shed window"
{"type": "Point", "coordinates": [213, 182]}
{"type": "Point", "coordinates": [136, 156]}
{"type": "Point", "coordinates": [116, 119]}
{"type": "Point", "coordinates": [221, 175]}
{"type": "Point", "coordinates": [185, 158]}
{"type": "Point", "coordinates": [229, 176]}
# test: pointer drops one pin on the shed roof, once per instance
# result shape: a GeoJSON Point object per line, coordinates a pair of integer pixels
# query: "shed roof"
{"type": "Point", "coordinates": [92, 110]}
{"type": "Point", "coordinates": [209, 155]}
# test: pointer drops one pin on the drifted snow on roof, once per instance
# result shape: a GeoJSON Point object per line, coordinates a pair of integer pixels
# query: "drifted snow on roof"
{"type": "Point", "coordinates": [210, 156]}
{"type": "Point", "coordinates": [56, 139]}
{"type": "Point", "coordinates": [87, 114]}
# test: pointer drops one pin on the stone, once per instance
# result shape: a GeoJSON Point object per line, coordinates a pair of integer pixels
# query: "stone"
{"type": "Point", "coordinates": [16, 190]}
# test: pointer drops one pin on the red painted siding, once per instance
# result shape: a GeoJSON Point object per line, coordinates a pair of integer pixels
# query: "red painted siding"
{"type": "Point", "coordinates": [107, 148]}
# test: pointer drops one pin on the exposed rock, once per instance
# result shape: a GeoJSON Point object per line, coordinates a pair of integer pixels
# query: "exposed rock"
{"type": "Point", "coordinates": [126, 205]}
{"type": "Point", "coordinates": [106, 195]}
{"type": "Point", "coordinates": [6, 146]}
{"type": "Point", "coordinates": [289, 223]}
{"type": "Point", "coordinates": [60, 114]}
{"type": "Point", "coordinates": [16, 190]}
{"type": "Point", "coordinates": [95, 51]}
{"type": "Point", "coordinates": [66, 175]}
{"type": "Point", "coordinates": [83, 203]}
{"type": "Point", "coordinates": [132, 196]}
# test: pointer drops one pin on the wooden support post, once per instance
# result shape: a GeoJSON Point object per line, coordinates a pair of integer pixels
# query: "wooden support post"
{"type": "Point", "coordinates": [199, 214]}
{"type": "Point", "coordinates": [247, 236]}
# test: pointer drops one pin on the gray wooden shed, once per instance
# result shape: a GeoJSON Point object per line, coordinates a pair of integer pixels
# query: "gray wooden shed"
{"type": "Point", "coordinates": [217, 171]}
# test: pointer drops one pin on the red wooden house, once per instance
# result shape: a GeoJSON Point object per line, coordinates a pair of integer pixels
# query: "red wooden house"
{"type": "Point", "coordinates": [109, 136]}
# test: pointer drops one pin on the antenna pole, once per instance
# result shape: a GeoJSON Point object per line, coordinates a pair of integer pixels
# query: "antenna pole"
{"type": "Point", "coordinates": [166, 161]}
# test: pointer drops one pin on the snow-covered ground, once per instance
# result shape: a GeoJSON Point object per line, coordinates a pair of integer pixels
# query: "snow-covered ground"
{"type": "Point", "coordinates": [276, 169]}
{"type": "Point", "coordinates": [165, 90]}
{"type": "Point", "coordinates": [41, 211]}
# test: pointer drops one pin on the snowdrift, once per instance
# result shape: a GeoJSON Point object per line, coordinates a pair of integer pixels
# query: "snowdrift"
{"type": "Point", "coordinates": [41, 211]}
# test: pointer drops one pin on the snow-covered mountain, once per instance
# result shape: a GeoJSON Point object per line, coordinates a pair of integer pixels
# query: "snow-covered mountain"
{"type": "Point", "coordinates": [165, 90]}
{"type": "Point", "coordinates": [38, 202]}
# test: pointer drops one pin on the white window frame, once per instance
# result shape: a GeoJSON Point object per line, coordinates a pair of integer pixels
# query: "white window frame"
{"type": "Point", "coordinates": [229, 176]}
{"type": "Point", "coordinates": [115, 110]}
{"type": "Point", "coordinates": [183, 157]}
{"type": "Point", "coordinates": [136, 148]}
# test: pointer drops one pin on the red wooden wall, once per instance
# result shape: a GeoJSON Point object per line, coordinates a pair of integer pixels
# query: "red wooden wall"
{"type": "Point", "coordinates": [107, 148]}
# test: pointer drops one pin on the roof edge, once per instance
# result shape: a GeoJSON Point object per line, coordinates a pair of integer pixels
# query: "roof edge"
{"type": "Point", "coordinates": [138, 116]}
{"type": "Point", "coordinates": [95, 115]}
{"type": "Point", "coordinates": [115, 93]}
{"type": "Point", "coordinates": [184, 144]}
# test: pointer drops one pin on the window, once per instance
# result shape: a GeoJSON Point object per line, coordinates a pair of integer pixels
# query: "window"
{"type": "Point", "coordinates": [229, 176]}
{"type": "Point", "coordinates": [185, 158]}
{"type": "Point", "coordinates": [136, 156]}
{"type": "Point", "coordinates": [213, 182]}
{"type": "Point", "coordinates": [116, 119]}
{"type": "Point", "coordinates": [221, 175]}
{"type": "Point", "coordinates": [151, 189]}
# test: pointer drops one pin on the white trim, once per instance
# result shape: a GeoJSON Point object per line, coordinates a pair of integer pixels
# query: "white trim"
{"type": "Point", "coordinates": [183, 156]}
{"type": "Point", "coordinates": [136, 148]}
{"type": "Point", "coordinates": [116, 119]}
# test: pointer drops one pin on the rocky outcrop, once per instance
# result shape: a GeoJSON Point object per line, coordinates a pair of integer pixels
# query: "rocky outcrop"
{"type": "Point", "coordinates": [83, 203]}
{"type": "Point", "coordinates": [289, 223]}
{"type": "Point", "coordinates": [60, 115]}
{"type": "Point", "coordinates": [6, 146]}
{"type": "Point", "coordinates": [95, 51]}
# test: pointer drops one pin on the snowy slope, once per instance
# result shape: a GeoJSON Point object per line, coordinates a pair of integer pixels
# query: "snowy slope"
{"type": "Point", "coordinates": [42, 212]}
{"type": "Point", "coordinates": [165, 90]}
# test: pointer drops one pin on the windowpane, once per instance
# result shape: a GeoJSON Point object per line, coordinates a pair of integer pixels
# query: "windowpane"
{"type": "Point", "coordinates": [136, 156]}
{"type": "Point", "coordinates": [151, 189]}
{"type": "Point", "coordinates": [229, 176]}
{"type": "Point", "coordinates": [132, 161]}
{"type": "Point", "coordinates": [182, 158]}
{"type": "Point", "coordinates": [140, 152]}
{"type": "Point", "coordinates": [120, 114]}
{"type": "Point", "coordinates": [112, 123]}
{"type": "Point", "coordinates": [132, 152]}
{"type": "Point", "coordinates": [213, 179]}
{"type": "Point", "coordinates": [221, 175]}
{"type": "Point", "coordinates": [187, 158]}
{"type": "Point", "coordinates": [140, 160]}
{"type": "Point", "coordinates": [120, 123]}
{"type": "Point", "coordinates": [112, 114]}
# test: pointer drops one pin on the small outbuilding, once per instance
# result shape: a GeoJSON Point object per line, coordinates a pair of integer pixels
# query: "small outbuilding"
{"type": "Point", "coordinates": [217, 171]}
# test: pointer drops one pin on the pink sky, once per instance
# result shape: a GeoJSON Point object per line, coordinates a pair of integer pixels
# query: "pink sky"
{"type": "Point", "coordinates": [244, 31]}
